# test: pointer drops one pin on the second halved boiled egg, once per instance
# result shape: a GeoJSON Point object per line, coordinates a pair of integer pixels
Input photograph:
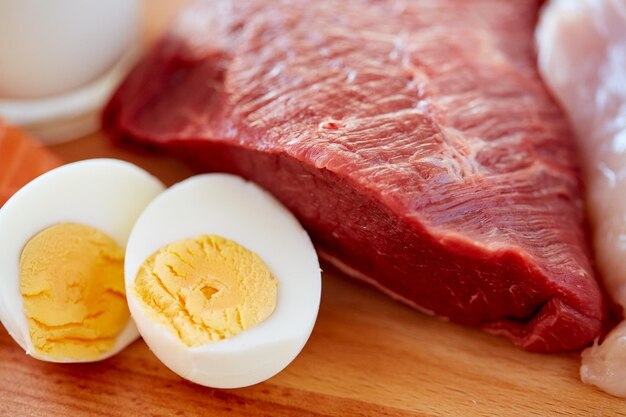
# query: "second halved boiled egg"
{"type": "Point", "coordinates": [222, 281]}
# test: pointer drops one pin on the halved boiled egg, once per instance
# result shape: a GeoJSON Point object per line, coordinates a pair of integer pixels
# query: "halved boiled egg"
{"type": "Point", "coordinates": [222, 281]}
{"type": "Point", "coordinates": [62, 246]}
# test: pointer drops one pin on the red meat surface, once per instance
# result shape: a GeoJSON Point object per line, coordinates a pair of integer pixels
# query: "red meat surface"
{"type": "Point", "coordinates": [414, 140]}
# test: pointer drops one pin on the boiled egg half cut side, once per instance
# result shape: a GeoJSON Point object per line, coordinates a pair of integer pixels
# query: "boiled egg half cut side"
{"type": "Point", "coordinates": [222, 281]}
{"type": "Point", "coordinates": [62, 245]}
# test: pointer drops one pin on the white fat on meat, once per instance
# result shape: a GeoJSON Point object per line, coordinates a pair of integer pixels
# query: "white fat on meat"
{"type": "Point", "coordinates": [582, 58]}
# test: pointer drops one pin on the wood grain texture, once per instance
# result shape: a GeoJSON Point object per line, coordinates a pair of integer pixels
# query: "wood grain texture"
{"type": "Point", "coordinates": [368, 356]}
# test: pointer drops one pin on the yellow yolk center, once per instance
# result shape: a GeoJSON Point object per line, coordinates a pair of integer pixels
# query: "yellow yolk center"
{"type": "Point", "coordinates": [206, 289]}
{"type": "Point", "coordinates": [72, 284]}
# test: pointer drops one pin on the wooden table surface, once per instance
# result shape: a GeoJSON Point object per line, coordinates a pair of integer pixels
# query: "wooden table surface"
{"type": "Point", "coordinates": [368, 355]}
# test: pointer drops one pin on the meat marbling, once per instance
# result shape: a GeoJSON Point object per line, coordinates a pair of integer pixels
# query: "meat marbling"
{"type": "Point", "coordinates": [413, 139]}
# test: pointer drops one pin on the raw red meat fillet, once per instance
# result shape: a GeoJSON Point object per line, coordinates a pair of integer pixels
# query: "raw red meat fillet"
{"type": "Point", "coordinates": [413, 139]}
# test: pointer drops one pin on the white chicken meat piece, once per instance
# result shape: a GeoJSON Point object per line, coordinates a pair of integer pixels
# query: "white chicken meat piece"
{"type": "Point", "coordinates": [582, 57]}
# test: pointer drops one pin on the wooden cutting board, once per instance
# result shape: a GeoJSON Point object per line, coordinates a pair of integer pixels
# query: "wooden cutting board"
{"type": "Point", "coordinates": [368, 355]}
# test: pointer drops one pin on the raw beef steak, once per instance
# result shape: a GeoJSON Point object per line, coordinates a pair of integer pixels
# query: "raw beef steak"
{"type": "Point", "coordinates": [413, 139]}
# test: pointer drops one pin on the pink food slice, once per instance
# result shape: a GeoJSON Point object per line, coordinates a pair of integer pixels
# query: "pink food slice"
{"type": "Point", "coordinates": [22, 159]}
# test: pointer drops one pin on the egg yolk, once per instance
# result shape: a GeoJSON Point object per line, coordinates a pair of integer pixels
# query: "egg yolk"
{"type": "Point", "coordinates": [206, 289]}
{"type": "Point", "coordinates": [72, 284]}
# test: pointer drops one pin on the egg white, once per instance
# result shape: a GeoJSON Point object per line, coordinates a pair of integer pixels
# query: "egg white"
{"type": "Point", "coordinates": [106, 194]}
{"type": "Point", "coordinates": [228, 206]}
